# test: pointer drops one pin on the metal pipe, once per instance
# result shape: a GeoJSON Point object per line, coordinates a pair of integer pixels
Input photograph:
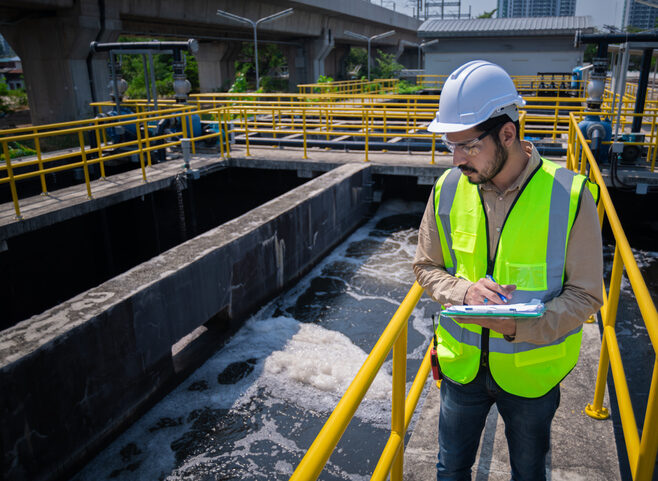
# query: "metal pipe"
{"type": "Point", "coordinates": [642, 89]}
{"type": "Point", "coordinates": [374, 145]}
{"type": "Point", "coordinates": [154, 85]}
{"type": "Point", "coordinates": [622, 88]}
{"type": "Point", "coordinates": [191, 45]}
{"type": "Point", "coordinates": [609, 38]}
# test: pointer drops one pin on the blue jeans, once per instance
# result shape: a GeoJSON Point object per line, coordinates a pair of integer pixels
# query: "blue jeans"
{"type": "Point", "coordinates": [464, 409]}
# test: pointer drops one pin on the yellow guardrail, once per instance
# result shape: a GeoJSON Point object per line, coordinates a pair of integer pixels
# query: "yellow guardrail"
{"type": "Point", "coordinates": [642, 449]}
{"type": "Point", "coordinates": [84, 155]}
{"type": "Point", "coordinates": [270, 118]}
{"type": "Point", "coordinates": [350, 87]}
{"type": "Point", "coordinates": [555, 85]}
{"type": "Point", "coordinates": [391, 461]}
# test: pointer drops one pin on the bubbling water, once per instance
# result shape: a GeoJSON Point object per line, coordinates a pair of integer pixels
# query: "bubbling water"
{"type": "Point", "coordinates": [252, 410]}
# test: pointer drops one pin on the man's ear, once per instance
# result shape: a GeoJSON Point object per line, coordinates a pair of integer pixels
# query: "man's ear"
{"type": "Point", "coordinates": [507, 134]}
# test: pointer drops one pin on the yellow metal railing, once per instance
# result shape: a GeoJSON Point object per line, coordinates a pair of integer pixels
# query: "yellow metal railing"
{"type": "Point", "coordinates": [270, 118]}
{"type": "Point", "coordinates": [641, 450]}
{"type": "Point", "coordinates": [349, 87]}
{"type": "Point", "coordinates": [391, 461]}
{"type": "Point", "coordinates": [83, 154]}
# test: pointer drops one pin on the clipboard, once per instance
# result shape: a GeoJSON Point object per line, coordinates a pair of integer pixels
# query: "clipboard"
{"type": "Point", "coordinates": [534, 308]}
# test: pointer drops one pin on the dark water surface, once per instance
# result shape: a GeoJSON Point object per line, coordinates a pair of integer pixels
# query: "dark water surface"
{"type": "Point", "coordinates": [254, 408]}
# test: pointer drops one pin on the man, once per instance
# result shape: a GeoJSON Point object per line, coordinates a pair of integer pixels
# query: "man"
{"type": "Point", "coordinates": [504, 224]}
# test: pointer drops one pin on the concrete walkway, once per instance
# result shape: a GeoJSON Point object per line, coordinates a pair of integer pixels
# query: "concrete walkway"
{"type": "Point", "coordinates": [582, 448]}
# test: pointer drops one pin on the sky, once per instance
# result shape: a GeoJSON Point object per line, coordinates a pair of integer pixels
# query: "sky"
{"type": "Point", "coordinates": [603, 12]}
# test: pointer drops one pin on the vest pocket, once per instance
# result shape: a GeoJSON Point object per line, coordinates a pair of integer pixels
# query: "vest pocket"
{"type": "Point", "coordinates": [540, 355]}
{"type": "Point", "coordinates": [463, 241]}
{"type": "Point", "coordinates": [527, 277]}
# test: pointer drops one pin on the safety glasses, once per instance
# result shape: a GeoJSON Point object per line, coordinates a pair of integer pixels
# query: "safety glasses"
{"type": "Point", "coordinates": [471, 147]}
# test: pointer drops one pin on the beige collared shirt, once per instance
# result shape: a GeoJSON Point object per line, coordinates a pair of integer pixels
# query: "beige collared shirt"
{"type": "Point", "coordinates": [582, 292]}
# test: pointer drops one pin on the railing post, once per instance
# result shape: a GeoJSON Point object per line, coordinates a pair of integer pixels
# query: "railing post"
{"type": "Point", "coordinates": [609, 316]}
{"type": "Point", "coordinates": [37, 147]}
{"type": "Point", "coordinates": [220, 138]}
{"type": "Point", "coordinates": [99, 146]}
{"type": "Point", "coordinates": [12, 182]}
{"type": "Point", "coordinates": [246, 131]}
{"type": "Point", "coordinates": [85, 168]}
{"type": "Point", "coordinates": [140, 148]}
{"type": "Point", "coordinates": [433, 146]}
{"type": "Point", "coordinates": [399, 382]}
{"type": "Point", "coordinates": [649, 442]}
{"type": "Point", "coordinates": [304, 129]}
{"type": "Point", "coordinates": [229, 127]}
{"type": "Point", "coordinates": [147, 140]}
{"type": "Point", "coordinates": [367, 122]}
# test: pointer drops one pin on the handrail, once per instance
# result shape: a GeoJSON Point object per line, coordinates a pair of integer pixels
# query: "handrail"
{"type": "Point", "coordinates": [142, 146]}
{"type": "Point", "coordinates": [394, 337]}
{"type": "Point", "coordinates": [641, 450]}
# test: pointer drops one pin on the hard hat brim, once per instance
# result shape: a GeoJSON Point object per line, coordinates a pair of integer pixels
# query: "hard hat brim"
{"type": "Point", "coordinates": [445, 128]}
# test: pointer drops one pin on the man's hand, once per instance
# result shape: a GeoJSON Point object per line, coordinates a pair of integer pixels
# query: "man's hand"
{"type": "Point", "coordinates": [486, 291]}
{"type": "Point", "coordinates": [503, 325]}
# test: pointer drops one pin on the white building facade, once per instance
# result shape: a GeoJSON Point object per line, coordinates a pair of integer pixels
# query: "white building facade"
{"type": "Point", "coordinates": [522, 46]}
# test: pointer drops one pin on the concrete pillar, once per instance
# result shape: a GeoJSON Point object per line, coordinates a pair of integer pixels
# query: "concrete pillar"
{"type": "Point", "coordinates": [335, 63]}
{"type": "Point", "coordinates": [318, 50]}
{"type": "Point", "coordinates": [216, 65]}
{"type": "Point", "coordinates": [297, 65]}
{"type": "Point", "coordinates": [307, 61]}
{"type": "Point", "coordinates": [54, 52]}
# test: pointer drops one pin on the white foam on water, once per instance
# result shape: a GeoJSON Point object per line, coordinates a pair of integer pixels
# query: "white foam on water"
{"type": "Point", "coordinates": [325, 360]}
{"type": "Point", "coordinates": [294, 363]}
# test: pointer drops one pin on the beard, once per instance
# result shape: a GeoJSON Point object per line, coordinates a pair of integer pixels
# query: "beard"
{"type": "Point", "coordinates": [491, 170]}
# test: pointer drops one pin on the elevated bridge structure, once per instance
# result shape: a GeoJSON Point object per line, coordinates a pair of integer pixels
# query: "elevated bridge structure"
{"type": "Point", "coordinates": [52, 39]}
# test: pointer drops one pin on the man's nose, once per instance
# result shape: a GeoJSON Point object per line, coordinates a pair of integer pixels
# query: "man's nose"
{"type": "Point", "coordinates": [458, 157]}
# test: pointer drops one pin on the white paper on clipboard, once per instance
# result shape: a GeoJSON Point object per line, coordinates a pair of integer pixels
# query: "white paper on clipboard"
{"type": "Point", "coordinates": [534, 308]}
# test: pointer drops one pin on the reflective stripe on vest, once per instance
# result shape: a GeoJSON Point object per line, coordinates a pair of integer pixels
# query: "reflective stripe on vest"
{"type": "Point", "coordinates": [531, 253]}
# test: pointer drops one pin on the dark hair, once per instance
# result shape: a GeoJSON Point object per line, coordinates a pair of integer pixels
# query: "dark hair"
{"type": "Point", "coordinates": [496, 123]}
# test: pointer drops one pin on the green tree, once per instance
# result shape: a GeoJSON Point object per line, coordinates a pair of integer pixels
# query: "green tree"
{"type": "Point", "coordinates": [487, 14]}
{"type": "Point", "coordinates": [357, 58]}
{"type": "Point", "coordinates": [270, 60]}
{"type": "Point", "coordinates": [386, 66]}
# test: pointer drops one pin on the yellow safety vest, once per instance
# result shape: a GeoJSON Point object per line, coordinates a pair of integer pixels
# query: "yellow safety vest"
{"type": "Point", "coordinates": [531, 253]}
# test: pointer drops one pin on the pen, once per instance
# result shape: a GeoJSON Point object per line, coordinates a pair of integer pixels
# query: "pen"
{"type": "Point", "coordinates": [490, 277]}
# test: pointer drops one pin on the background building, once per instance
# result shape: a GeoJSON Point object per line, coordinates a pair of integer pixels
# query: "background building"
{"type": "Point", "coordinates": [522, 46]}
{"type": "Point", "coordinates": [642, 16]}
{"type": "Point", "coordinates": [536, 8]}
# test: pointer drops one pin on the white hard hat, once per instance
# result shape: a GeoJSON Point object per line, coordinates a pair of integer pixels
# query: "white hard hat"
{"type": "Point", "coordinates": [475, 92]}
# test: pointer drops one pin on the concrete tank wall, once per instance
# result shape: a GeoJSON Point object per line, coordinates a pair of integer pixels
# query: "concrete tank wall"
{"type": "Point", "coordinates": [78, 373]}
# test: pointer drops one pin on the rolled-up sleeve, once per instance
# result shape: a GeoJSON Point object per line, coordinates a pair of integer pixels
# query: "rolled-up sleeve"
{"type": "Point", "coordinates": [582, 293]}
{"type": "Point", "coordinates": [428, 264]}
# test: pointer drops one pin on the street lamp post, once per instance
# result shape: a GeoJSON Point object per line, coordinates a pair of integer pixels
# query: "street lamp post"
{"type": "Point", "coordinates": [255, 24]}
{"type": "Point", "coordinates": [369, 39]}
{"type": "Point", "coordinates": [423, 45]}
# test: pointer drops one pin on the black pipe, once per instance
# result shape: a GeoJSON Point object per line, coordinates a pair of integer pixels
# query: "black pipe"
{"type": "Point", "coordinates": [642, 89]}
{"type": "Point", "coordinates": [90, 68]}
{"type": "Point", "coordinates": [617, 37]}
{"type": "Point", "coordinates": [375, 145]}
{"type": "Point", "coordinates": [192, 45]}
